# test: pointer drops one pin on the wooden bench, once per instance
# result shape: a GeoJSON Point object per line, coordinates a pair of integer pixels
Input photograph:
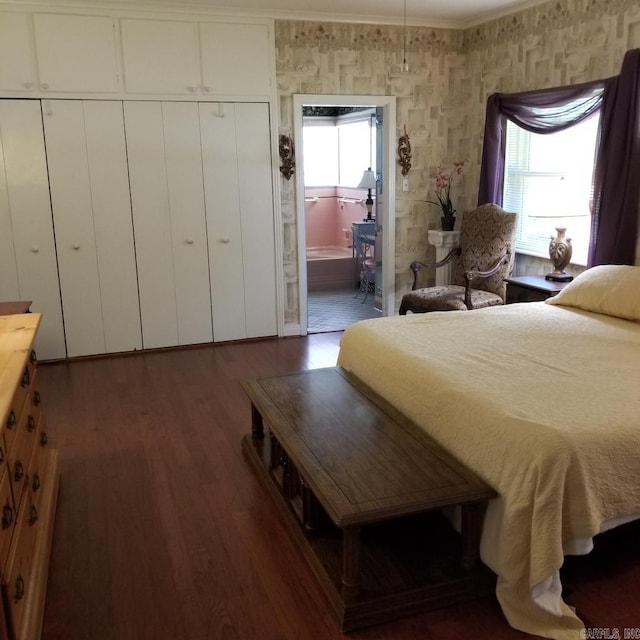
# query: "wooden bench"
{"type": "Point", "coordinates": [360, 488]}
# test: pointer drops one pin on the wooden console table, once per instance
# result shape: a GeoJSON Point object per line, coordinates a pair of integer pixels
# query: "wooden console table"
{"type": "Point", "coordinates": [360, 488]}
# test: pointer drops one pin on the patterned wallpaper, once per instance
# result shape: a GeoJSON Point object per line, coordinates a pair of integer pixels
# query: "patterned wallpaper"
{"type": "Point", "coordinates": [441, 100]}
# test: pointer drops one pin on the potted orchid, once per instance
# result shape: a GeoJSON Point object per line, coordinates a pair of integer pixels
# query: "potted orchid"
{"type": "Point", "coordinates": [442, 191]}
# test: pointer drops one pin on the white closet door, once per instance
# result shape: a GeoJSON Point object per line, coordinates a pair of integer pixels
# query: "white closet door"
{"type": "Point", "coordinates": [188, 223]}
{"type": "Point", "coordinates": [256, 212]}
{"type": "Point", "coordinates": [165, 170]}
{"type": "Point", "coordinates": [28, 238]}
{"type": "Point", "coordinates": [219, 157]}
{"type": "Point", "coordinates": [112, 225]}
{"type": "Point", "coordinates": [92, 218]}
{"type": "Point", "coordinates": [238, 186]}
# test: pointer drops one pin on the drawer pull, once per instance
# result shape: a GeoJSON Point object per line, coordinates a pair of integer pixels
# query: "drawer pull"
{"type": "Point", "coordinates": [43, 439]}
{"type": "Point", "coordinates": [33, 515]}
{"type": "Point", "coordinates": [32, 357]}
{"type": "Point", "coordinates": [25, 378]}
{"type": "Point", "coordinates": [19, 591]}
{"type": "Point", "coordinates": [11, 420]}
{"type": "Point", "coordinates": [36, 398]}
{"type": "Point", "coordinates": [31, 423]}
{"type": "Point", "coordinates": [7, 516]}
{"type": "Point", "coordinates": [35, 485]}
{"type": "Point", "coordinates": [18, 471]}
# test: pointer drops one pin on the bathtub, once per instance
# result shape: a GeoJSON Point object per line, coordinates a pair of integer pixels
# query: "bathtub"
{"type": "Point", "coordinates": [330, 268]}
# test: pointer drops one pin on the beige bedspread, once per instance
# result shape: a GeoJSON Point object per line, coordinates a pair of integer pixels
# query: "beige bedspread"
{"type": "Point", "coordinates": [541, 401]}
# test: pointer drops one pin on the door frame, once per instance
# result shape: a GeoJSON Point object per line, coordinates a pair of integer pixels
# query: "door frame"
{"type": "Point", "coordinates": [388, 199]}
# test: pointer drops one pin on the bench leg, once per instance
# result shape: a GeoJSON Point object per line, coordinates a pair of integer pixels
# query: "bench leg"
{"type": "Point", "coordinates": [257, 426]}
{"type": "Point", "coordinates": [350, 561]}
{"type": "Point", "coordinates": [471, 530]}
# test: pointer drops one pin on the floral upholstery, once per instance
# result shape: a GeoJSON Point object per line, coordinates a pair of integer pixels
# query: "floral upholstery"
{"type": "Point", "coordinates": [486, 234]}
{"type": "Point", "coordinates": [448, 298]}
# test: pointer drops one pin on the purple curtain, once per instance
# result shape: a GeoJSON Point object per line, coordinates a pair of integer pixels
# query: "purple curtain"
{"type": "Point", "coordinates": [543, 111]}
{"type": "Point", "coordinates": [616, 183]}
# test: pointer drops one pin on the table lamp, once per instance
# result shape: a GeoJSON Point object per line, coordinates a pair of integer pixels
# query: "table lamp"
{"type": "Point", "coordinates": [368, 181]}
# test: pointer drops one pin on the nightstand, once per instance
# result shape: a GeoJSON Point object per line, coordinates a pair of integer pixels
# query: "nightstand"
{"type": "Point", "coordinates": [531, 288]}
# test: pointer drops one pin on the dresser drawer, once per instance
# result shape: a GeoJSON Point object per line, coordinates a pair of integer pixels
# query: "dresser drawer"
{"type": "Point", "coordinates": [16, 581]}
{"type": "Point", "coordinates": [25, 437]}
{"type": "Point", "coordinates": [7, 516]}
{"type": "Point", "coordinates": [24, 389]}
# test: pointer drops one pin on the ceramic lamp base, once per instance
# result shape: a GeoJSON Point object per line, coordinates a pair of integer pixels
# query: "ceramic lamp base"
{"type": "Point", "coordinates": [560, 251]}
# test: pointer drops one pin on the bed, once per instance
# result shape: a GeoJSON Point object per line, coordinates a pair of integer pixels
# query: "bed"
{"type": "Point", "coordinates": [542, 401]}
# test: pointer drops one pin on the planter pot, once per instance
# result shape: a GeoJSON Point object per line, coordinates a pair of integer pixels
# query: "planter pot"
{"type": "Point", "coordinates": [447, 223]}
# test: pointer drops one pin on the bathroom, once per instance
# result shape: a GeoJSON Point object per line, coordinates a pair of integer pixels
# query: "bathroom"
{"type": "Point", "coordinates": [341, 184]}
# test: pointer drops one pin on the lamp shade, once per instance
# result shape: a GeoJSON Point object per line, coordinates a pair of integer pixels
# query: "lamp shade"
{"type": "Point", "coordinates": [368, 180]}
{"type": "Point", "coordinates": [555, 197]}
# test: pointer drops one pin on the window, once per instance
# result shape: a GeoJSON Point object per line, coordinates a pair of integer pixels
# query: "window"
{"type": "Point", "coordinates": [338, 150]}
{"type": "Point", "coordinates": [551, 175]}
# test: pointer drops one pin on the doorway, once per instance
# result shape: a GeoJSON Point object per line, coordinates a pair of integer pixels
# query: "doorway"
{"type": "Point", "coordinates": [343, 287]}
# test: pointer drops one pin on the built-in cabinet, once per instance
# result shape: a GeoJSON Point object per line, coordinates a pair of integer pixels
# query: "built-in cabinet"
{"type": "Point", "coordinates": [136, 177]}
{"type": "Point", "coordinates": [58, 53]}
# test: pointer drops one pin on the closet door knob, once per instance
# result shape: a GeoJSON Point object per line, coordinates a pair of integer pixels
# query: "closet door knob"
{"type": "Point", "coordinates": [192, 88]}
{"type": "Point", "coordinates": [189, 241]}
{"type": "Point", "coordinates": [207, 89]}
{"type": "Point", "coordinates": [44, 85]}
{"type": "Point", "coordinates": [28, 85]}
{"type": "Point", "coordinates": [224, 240]}
{"type": "Point", "coordinates": [35, 249]}
{"type": "Point", "coordinates": [75, 246]}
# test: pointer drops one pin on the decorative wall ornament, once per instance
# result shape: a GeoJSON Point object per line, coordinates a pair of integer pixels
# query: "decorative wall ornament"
{"type": "Point", "coordinates": [287, 158]}
{"type": "Point", "coordinates": [404, 152]}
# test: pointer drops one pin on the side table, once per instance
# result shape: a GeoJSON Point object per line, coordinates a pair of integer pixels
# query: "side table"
{"type": "Point", "coordinates": [531, 288]}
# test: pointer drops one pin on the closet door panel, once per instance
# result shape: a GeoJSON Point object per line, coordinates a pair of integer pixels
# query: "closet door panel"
{"type": "Point", "coordinates": [188, 224]}
{"type": "Point", "coordinates": [249, 46]}
{"type": "Point", "coordinates": [72, 213]}
{"type": "Point", "coordinates": [76, 53]}
{"type": "Point", "coordinates": [25, 170]}
{"type": "Point", "coordinates": [151, 223]}
{"type": "Point", "coordinates": [9, 288]}
{"type": "Point", "coordinates": [16, 45]}
{"type": "Point", "coordinates": [160, 56]}
{"type": "Point", "coordinates": [112, 225]}
{"type": "Point", "coordinates": [256, 209]}
{"type": "Point", "coordinates": [219, 157]}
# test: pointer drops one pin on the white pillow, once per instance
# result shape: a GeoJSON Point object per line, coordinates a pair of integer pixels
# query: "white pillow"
{"type": "Point", "coordinates": [611, 289]}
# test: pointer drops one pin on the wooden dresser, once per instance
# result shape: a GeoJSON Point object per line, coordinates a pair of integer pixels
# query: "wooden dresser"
{"type": "Point", "coordinates": [29, 482]}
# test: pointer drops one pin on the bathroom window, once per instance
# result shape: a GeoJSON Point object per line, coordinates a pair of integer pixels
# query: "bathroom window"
{"type": "Point", "coordinates": [338, 150]}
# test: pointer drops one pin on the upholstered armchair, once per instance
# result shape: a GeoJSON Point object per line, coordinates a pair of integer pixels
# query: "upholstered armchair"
{"type": "Point", "coordinates": [482, 261]}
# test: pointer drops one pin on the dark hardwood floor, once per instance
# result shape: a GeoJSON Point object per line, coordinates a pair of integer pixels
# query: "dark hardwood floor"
{"type": "Point", "coordinates": [163, 532]}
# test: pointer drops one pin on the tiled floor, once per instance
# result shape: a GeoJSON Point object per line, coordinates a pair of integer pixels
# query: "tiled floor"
{"type": "Point", "coordinates": [336, 310]}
